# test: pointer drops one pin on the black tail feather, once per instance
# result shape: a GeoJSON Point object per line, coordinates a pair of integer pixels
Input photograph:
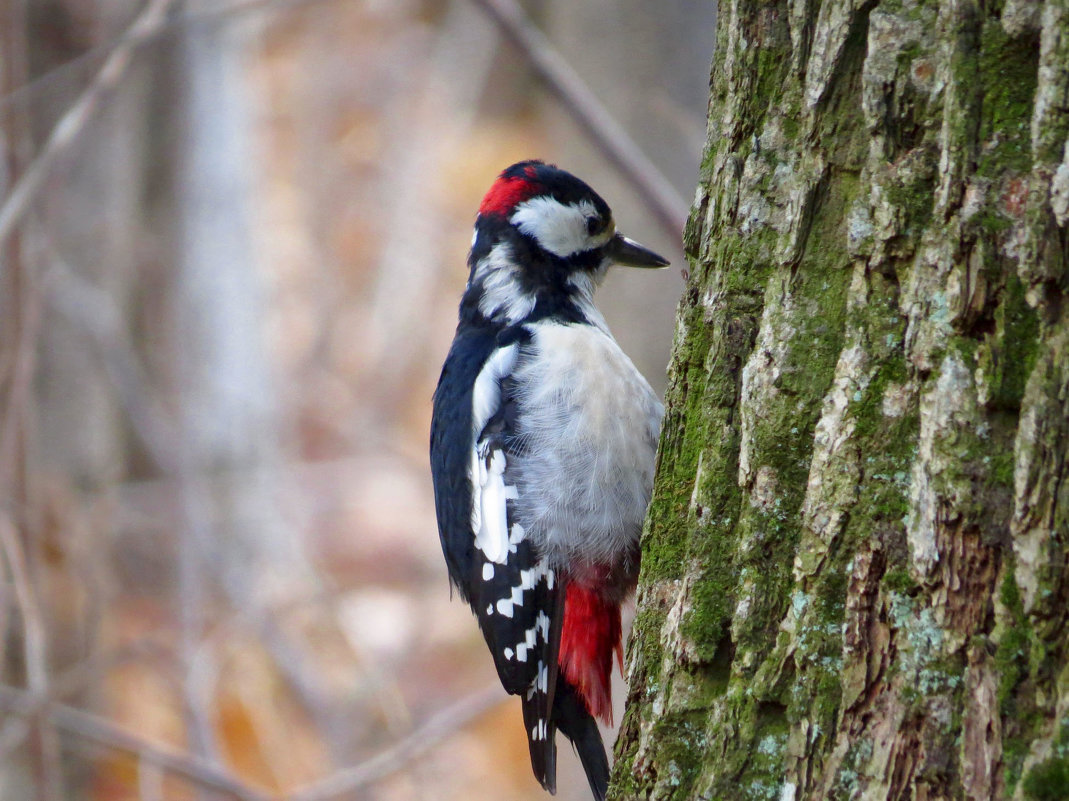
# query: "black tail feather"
{"type": "Point", "coordinates": [557, 705]}
{"type": "Point", "coordinates": [543, 749]}
{"type": "Point", "coordinates": [577, 724]}
{"type": "Point", "coordinates": [539, 704]}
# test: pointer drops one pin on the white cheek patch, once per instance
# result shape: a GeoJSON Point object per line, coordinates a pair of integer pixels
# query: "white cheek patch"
{"type": "Point", "coordinates": [558, 227]}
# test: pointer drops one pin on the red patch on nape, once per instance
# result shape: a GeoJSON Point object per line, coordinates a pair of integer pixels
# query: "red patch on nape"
{"type": "Point", "coordinates": [590, 635]}
{"type": "Point", "coordinates": [507, 191]}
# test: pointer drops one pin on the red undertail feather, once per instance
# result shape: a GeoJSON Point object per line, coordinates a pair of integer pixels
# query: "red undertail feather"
{"type": "Point", "coordinates": [590, 635]}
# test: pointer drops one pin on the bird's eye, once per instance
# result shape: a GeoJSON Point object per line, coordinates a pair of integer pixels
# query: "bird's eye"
{"type": "Point", "coordinates": [594, 225]}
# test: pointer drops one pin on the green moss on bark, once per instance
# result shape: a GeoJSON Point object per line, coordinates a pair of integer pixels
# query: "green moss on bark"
{"type": "Point", "coordinates": [1008, 81]}
{"type": "Point", "coordinates": [825, 564]}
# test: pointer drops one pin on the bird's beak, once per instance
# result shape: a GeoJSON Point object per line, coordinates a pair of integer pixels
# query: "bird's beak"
{"type": "Point", "coordinates": [630, 253]}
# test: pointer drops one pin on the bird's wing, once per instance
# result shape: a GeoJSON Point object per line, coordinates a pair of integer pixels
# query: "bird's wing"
{"type": "Point", "coordinates": [516, 597]}
{"type": "Point", "coordinates": [516, 590]}
{"type": "Point", "coordinates": [521, 602]}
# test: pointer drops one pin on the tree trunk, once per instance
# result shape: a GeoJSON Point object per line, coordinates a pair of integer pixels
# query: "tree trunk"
{"type": "Point", "coordinates": [854, 581]}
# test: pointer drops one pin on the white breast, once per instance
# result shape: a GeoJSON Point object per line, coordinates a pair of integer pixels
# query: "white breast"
{"type": "Point", "coordinates": [590, 422]}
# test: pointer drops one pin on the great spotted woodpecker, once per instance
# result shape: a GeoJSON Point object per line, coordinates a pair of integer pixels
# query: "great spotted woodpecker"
{"type": "Point", "coordinates": [542, 447]}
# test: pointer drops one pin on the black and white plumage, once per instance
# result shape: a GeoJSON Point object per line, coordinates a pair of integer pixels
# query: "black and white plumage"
{"type": "Point", "coordinates": [543, 440]}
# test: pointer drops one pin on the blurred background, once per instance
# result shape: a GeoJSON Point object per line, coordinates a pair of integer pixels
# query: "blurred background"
{"type": "Point", "coordinates": [232, 240]}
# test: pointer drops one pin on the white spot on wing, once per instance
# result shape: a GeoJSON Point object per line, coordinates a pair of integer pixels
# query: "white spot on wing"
{"type": "Point", "coordinates": [492, 535]}
{"type": "Point", "coordinates": [504, 606]}
{"type": "Point", "coordinates": [488, 490]}
{"type": "Point", "coordinates": [542, 624]}
{"type": "Point", "coordinates": [509, 653]}
{"type": "Point", "coordinates": [488, 571]}
{"type": "Point", "coordinates": [516, 536]}
{"type": "Point", "coordinates": [486, 394]}
{"type": "Point", "coordinates": [517, 596]}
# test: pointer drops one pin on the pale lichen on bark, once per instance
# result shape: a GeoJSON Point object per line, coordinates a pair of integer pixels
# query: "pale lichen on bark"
{"type": "Point", "coordinates": [854, 580]}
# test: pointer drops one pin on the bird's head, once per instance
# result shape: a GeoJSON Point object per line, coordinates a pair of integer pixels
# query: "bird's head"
{"type": "Point", "coordinates": [544, 237]}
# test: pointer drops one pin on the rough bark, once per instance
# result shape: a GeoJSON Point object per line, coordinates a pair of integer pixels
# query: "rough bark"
{"type": "Point", "coordinates": [854, 581]}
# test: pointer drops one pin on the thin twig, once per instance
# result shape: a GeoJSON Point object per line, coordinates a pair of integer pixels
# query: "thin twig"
{"type": "Point", "coordinates": [148, 22]}
{"type": "Point", "coordinates": [35, 656]}
{"type": "Point", "coordinates": [578, 99]}
{"type": "Point", "coordinates": [206, 774]}
{"type": "Point", "coordinates": [421, 740]}
{"type": "Point", "coordinates": [95, 311]}
{"type": "Point", "coordinates": [455, 72]}
{"type": "Point", "coordinates": [187, 21]}
{"type": "Point", "coordinates": [106, 733]}
{"type": "Point", "coordinates": [33, 627]}
{"type": "Point", "coordinates": [590, 113]}
{"type": "Point", "coordinates": [79, 676]}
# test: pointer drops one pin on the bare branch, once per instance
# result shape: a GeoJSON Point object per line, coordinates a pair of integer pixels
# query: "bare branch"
{"type": "Point", "coordinates": [106, 733]}
{"type": "Point", "coordinates": [35, 657]}
{"type": "Point", "coordinates": [206, 774]}
{"type": "Point", "coordinates": [33, 628]}
{"type": "Point", "coordinates": [73, 121]}
{"type": "Point", "coordinates": [96, 312]}
{"type": "Point", "coordinates": [590, 113]}
{"type": "Point", "coordinates": [423, 739]}
{"type": "Point", "coordinates": [562, 80]}
{"type": "Point", "coordinates": [189, 20]}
